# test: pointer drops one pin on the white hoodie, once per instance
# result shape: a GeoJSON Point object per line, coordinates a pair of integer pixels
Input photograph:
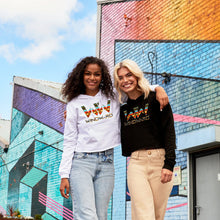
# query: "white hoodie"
{"type": "Point", "coordinates": [92, 125]}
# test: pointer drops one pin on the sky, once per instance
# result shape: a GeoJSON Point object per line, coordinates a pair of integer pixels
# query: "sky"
{"type": "Point", "coordinates": [43, 39]}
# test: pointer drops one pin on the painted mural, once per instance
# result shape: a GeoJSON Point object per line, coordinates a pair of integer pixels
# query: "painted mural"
{"type": "Point", "coordinates": [29, 171]}
{"type": "Point", "coordinates": [177, 45]}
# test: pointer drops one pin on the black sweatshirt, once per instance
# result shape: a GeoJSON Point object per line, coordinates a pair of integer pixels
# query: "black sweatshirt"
{"type": "Point", "coordinates": [144, 126]}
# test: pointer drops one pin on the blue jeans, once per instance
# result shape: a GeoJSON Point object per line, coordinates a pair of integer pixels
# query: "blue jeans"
{"type": "Point", "coordinates": [91, 184]}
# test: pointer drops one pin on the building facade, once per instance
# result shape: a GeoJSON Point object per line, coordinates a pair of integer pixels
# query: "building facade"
{"type": "Point", "coordinates": [29, 170]}
{"type": "Point", "coordinates": [177, 45]}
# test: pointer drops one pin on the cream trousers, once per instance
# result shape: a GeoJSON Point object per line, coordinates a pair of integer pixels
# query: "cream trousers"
{"type": "Point", "coordinates": [148, 195]}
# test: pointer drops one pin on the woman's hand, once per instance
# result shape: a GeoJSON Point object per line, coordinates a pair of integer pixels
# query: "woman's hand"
{"type": "Point", "coordinates": [161, 97]}
{"type": "Point", "coordinates": [64, 115]}
{"type": "Point", "coordinates": [166, 175]}
{"type": "Point", "coordinates": [64, 187]}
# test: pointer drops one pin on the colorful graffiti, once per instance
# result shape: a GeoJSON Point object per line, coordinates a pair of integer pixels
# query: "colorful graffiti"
{"type": "Point", "coordinates": [32, 162]}
{"type": "Point", "coordinates": [179, 39]}
{"type": "Point", "coordinates": [157, 20]}
{"type": "Point", "coordinates": [53, 205]}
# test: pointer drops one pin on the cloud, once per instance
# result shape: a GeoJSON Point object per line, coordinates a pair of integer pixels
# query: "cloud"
{"type": "Point", "coordinates": [84, 28]}
{"type": "Point", "coordinates": [43, 27]}
{"type": "Point", "coordinates": [8, 52]}
{"type": "Point", "coordinates": [35, 52]}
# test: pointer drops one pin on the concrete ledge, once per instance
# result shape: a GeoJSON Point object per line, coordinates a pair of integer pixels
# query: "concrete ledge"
{"type": "Point", "coordinates": [199, 139]}
{"type": "Point", "coordinates": [52, 89]}
{"type": "Point", "coordinates": [99, 2]}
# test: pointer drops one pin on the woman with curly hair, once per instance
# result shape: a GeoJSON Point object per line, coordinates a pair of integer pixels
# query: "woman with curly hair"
{"type": "Point", "coordinates": [92, 130]}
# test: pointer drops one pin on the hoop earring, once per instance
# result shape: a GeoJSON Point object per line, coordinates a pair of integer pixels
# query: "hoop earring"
{"type": "Point", "coordinates": [101, 85]}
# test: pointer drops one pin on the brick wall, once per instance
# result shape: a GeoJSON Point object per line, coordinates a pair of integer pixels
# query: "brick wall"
{"type": "Point", "coordinates": [31, 165]}
{"type": "Point", "coordinates": [181, 38]}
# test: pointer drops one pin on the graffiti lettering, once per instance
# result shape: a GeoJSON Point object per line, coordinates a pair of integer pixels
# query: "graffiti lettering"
{"type": "Point", "coordinates": [98, 110]}
{"type": "Point", "coordinates": [136, 113]}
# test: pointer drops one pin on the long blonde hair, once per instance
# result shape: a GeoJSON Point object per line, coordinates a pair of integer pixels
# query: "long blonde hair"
{"type": "Point", "coordinates": [143, 84]}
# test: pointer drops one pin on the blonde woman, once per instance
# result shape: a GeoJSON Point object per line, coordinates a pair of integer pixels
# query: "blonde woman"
{"type": "Point", "coordinates": [148, 136]}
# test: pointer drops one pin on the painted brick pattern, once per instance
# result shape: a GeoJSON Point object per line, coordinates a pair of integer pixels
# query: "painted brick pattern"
{"type": "Point", "coordinates": [4, 174]}
{"type": "Point", "coordinates": [46, 154]}
{"type": "Point", "coordinates": [181, 159]}
{"type": "Point", "coordinates": [26, 137]}
{"type": "Point", "coordinates": [174, 211]}
{"type": "Point", "coordinates": [48, 159]}
{"type": "Point", "coordinates": [109, 217]}
{"type": "Point", "coordinates": [25, 200]}
{"type": "Point", "coordinates": [22, 165]}
{"type": "Point", "coordinates": [191, 97]}
{"type": "Point", "coordinates": [128, 210]}
{"type": "Point", "coordinates": [178, 37]}
{"type": "Point", "coordinates": [153, 20]}
{"type": "Point", "coordinates": [119, 193]}
{"type": "Point", "coordinates": [18, 122]}
{"type": "Point", "coordinates": [40, 107]}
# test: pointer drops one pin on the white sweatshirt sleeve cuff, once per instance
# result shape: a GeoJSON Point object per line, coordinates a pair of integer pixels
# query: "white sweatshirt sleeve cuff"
{"type": "Point", "coordinates": [64, 176]}
{"type": "Point", "coordinates": [153, 87]}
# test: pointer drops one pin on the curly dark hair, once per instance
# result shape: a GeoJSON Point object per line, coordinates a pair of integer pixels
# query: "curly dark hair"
{"type": "Point", "coordinates": [74, 85]}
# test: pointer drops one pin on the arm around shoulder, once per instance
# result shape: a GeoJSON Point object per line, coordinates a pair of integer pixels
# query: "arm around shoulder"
{"type": "Point", "coordinates": [161, 97]}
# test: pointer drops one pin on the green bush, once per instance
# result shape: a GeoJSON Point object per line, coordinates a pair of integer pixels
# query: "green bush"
{"type": "Point", "coordinates": [37, 217]}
